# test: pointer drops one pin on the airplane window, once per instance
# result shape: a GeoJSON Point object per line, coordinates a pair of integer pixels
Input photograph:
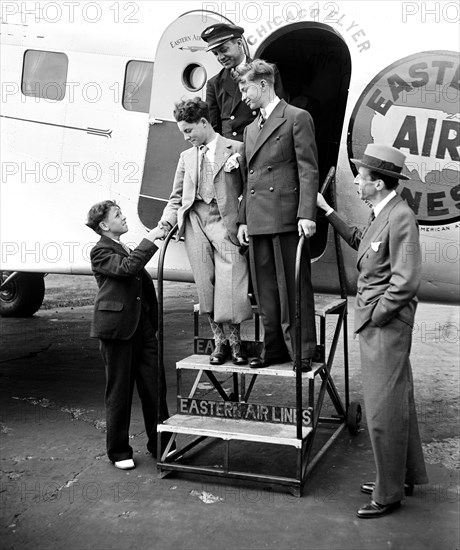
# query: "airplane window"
{"type": "Point", "coordinates": [194, 77]}
{"type": "Point", "coordinates": [44, 74]}
{"type": "Point", "coordinates": [138, 86]}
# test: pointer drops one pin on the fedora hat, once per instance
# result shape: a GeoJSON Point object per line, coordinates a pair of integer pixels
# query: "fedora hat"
{"type": "Point", "coordinates": [217, 34]}
{"type": "Point", "coordinates": [383, 159]}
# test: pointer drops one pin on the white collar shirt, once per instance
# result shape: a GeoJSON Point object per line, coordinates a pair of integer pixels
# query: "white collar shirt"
{"type": "Point", "coordinates": [381, 205]}
{"type": "Point", "coordinates": [268, 109]}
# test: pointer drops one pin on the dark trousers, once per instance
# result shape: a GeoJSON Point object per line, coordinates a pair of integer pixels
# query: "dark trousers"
{"type": "Point", "coordinates": [390, 409]}
{"type": "Point", "coordinates": [128, 362]}
{"type": "Point", "coordinates": [272, 259]}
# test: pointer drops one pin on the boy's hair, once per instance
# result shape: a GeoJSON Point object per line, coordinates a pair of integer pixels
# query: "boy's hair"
{"type": "Point", "coordinates": [98, 213]}
{"type": "Point", "coordinates": [258, 70]}
{"type": "Point", "coordinates": [191, 110]}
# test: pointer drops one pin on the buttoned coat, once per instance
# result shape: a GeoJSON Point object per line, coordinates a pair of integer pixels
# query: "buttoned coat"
{"type": "Point", "coordinates": [282, 172]}
{"type": "Point", "coordinates": [228, 186]}
{"type": "Point", "coordinates": [229, 115]}
{"type": "Point", "coordinates": [389, 264]}
{"type": "Point", "coordinates": [124, 288]}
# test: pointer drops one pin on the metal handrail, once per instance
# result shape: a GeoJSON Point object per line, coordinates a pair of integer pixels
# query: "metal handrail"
{"type": "Point", "coordinates": [298, 320]}
{"type": "Point", "coordinates": [160, 273]}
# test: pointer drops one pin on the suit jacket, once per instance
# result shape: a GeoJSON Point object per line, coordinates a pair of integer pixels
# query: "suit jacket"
{"type": "Point", "coordinates": [282, 172]}
{"type": "Point", "coordinates": [229, 114]}
{"type": "Point", "coordinates": [125, 288]}
{"type": "Point", "coordinates": [389, 264]}
{"type": "Point", "coordinates": [228, 186]}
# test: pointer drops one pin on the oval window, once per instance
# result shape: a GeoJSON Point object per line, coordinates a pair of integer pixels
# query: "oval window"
{"type": "Point", "coordinates": [194, 77]}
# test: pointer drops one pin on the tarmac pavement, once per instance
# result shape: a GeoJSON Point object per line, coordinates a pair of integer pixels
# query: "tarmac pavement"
{"type": "Point", "coordinates": [58, 489]}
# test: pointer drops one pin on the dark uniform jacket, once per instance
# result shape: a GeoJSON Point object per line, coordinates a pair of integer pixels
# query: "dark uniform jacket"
{"type": "Point", "coordinates": [125, 288]}
{"type": "Point", "coordinates": [229, 114]}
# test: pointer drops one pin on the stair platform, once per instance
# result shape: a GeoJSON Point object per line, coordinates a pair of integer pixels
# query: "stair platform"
{"type": "Point", "coordinates": [230, 429]}
{"type": "Point", "coordinates": [201, 362]}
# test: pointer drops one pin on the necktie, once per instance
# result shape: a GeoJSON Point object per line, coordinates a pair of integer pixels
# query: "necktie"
{"type": "Point", "coordinates": [369, 221]}
{"type": "Point", "coordinates": [234, 74]}
{"type": "Point", "coordinates": [262, 120]}
{"type": "Point", "coordinates": [205, 186]}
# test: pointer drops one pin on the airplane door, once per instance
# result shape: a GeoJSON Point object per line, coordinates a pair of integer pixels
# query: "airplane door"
{"type": "Point", "coordinates": [315, 64]}
{"type": "Point", "coordinates": [182, 68]}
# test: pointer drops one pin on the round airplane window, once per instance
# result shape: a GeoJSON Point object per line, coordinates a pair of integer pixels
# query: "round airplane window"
{"type": "Point", "coordinates": [194, 77]}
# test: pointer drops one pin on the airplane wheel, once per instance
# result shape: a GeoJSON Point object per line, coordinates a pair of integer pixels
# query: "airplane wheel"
{"type": "Point", "coordinates": [23, 296]}
{"type": "Point", "coordinates": [354, 417]}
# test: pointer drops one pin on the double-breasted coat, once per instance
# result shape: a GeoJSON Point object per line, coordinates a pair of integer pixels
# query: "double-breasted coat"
{"type": "Point", "coordinates": [281, 186]}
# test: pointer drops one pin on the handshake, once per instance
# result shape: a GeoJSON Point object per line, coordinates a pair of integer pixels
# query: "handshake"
{"type": "Point", "coordinates": [159, 232]}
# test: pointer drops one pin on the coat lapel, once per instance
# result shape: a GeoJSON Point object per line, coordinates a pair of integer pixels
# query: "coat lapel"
{"type": "Point", "coordinates": [223, 152]}
{"type": "Point", "coordinates": [110, 243]}
{"type": "Point", "coordinates": [273, 122]}
{"type": "Point", "coordinates": [191, 165]}
{"type": "Point", "coordinates": [372, 233]}
{"type": "Point", "coordinates": [230, 87]}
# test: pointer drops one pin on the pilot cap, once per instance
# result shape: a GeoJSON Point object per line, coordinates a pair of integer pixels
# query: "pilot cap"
{"type": "Point", "coordinates": [217, 34]}
{"type": "Point", "coordinates": [383, 159]}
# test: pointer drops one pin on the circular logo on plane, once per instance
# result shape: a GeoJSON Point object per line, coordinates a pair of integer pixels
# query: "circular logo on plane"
{"type": "Point", "coordinates": [413, 105]}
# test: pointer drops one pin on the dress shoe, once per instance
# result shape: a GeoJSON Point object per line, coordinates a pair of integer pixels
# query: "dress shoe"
{"type": "Point", "coordinates": [219, 355]}
{"type": "Point", "coordinates": [238, 355]}
{"type": "Point", "coordinates": [259, 363]}
{"type": "Point", "coordinates": [376, 510]}
{"type": "Point", "coordinates": [369, 487]}
{"type": "Point", "coordinates": [127, 464]}
{"type": "Point", "coordinates": [306, 365]}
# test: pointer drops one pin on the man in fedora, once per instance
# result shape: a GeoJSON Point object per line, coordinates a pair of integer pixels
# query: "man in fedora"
{"type": "Point", "coordinates": [229, 114]}
{"type": "Point", "coordinates": [389, 265]}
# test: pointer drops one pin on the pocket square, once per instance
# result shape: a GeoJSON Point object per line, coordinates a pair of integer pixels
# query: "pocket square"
{"type": "Point", "coordinates": [375, 246]}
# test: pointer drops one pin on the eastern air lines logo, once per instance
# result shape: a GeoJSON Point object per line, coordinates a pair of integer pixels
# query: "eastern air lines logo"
{"type": "Point", "coordinates": [414, 106]}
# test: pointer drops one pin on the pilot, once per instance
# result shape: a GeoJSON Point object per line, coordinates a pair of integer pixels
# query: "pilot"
{"type": "Point", "coordinates": [389, 265]}
{"type": "Point", "coordinates": [204, 203]}
{"type": "Point", "coordinates": [229, 114]}
{"type": "Point", "coordinates": [125, 320]}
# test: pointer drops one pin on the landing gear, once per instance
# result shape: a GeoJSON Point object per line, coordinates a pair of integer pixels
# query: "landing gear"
{"type": "Point", "coordinates": [21, 294]}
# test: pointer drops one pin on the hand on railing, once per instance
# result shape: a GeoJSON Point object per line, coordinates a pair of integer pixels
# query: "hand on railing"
{"type": "Point", "coordinates": [306, 227]}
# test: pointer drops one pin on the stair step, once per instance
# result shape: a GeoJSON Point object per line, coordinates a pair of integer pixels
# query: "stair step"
{"type": "Point", "coordinates": [228, 429]}
{"type": "Point", "coordinates": [201, 362]}
{"type": "Point", "coordinates": [324, 304]}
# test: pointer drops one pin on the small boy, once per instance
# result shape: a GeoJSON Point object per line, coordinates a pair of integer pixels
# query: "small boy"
{"type": "Point", "coordinates": [125, 321]}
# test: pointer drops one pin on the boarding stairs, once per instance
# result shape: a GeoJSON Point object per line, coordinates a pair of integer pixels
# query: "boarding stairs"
{"type": "Point", "coordinates": [231, 410]}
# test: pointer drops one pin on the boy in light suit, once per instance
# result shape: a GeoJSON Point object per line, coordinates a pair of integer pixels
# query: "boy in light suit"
{"type": "Point", "coordinates": [389, 264]}
{"type": "Point", "coordinates": [204, 203]}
